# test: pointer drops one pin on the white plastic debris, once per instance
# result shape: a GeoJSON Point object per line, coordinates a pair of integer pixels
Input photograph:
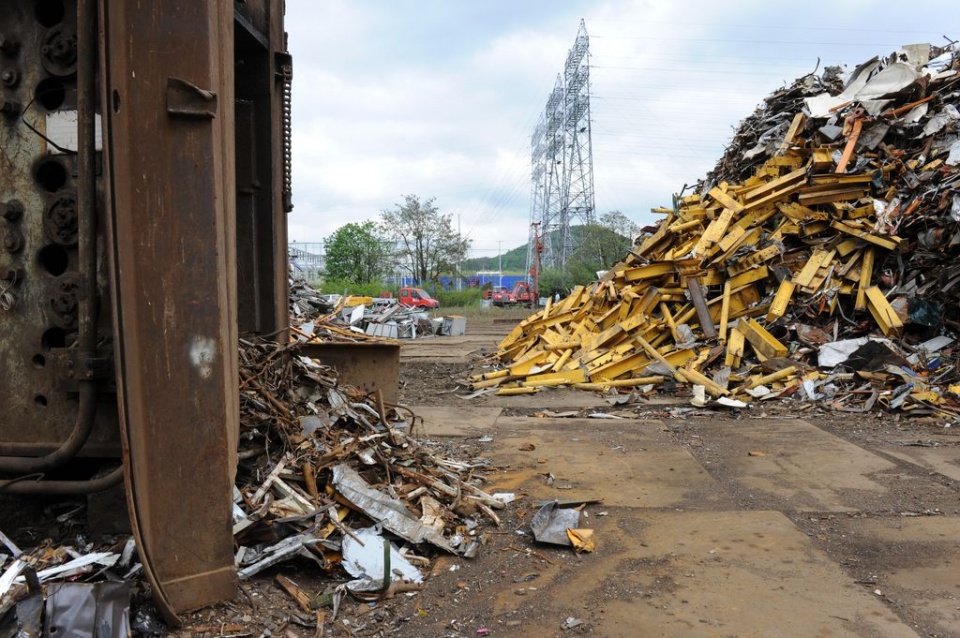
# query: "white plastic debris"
{"type": "Point", "coordinates": [363, 558]}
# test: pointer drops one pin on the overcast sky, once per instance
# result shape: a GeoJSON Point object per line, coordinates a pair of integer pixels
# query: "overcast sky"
{"type": "Point", "coordinates": [438, 98]}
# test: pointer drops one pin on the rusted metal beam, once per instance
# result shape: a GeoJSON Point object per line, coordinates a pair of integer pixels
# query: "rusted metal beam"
{"type": "Point", "coordinates": [168, 92]}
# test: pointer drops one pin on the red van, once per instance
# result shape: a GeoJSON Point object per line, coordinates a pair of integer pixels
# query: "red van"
{"type": "Point", "coordinates": [417, 298]}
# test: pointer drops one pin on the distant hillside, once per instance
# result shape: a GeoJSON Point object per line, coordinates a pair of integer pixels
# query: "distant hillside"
{"type": "Point", "coordinates": [515, 259]}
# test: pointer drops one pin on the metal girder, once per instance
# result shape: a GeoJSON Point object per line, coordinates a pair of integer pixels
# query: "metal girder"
{"type": "Point", "coordinates": [168, 94]}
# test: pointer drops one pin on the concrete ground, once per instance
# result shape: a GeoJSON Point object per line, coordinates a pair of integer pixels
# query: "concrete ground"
{"type": "Point", "coordinates": [709, 527]}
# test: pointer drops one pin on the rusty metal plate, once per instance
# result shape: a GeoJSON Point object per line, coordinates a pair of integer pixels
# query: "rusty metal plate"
{"type": "Point", "coordinates": [38, 247]}
{"type": "Point", "coordinates": [172, 247]}
{"type": "Point", "coordinates": [368, 366]}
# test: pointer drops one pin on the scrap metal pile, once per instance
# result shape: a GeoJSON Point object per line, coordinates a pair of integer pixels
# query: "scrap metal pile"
{"type": "Point", "coordinates": [820, 254]}
{"type": "Point", "coordinates": [327, 473]}
{"type": "Point", "coordinates": [356, 318]}
{"type": "Point", "coordinates": [327, 470]}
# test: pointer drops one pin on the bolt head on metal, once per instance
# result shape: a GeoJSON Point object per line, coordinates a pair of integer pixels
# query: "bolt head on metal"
{"type": "Point", "coordinates": [12, 211]}
{"type": "Point", "coordinates": [10, 78]}
{"type": "Point", "coordinates": [10, 108]}
{"type": "Point", "coordinates": [8, 46]}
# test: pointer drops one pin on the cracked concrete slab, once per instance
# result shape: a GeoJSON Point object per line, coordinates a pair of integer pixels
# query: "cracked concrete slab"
{"type": "Point", "coordinates": [943, 460]}
{"type": "Point", "coordinates": [624, 462]}
{"type": "Point", "coordinates": [919, 559]}
{"type": "Point", "coordinates": [795, 464]}
{"type": "Point", "coordinates": [448, 421]}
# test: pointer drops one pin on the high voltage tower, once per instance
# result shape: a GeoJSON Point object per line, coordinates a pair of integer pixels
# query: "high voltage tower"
{"type": "Point", "coordinates": [562, 161]}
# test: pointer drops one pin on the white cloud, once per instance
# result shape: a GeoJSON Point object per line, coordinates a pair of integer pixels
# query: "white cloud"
{"type": "Point", "coordinates": [439, 98]}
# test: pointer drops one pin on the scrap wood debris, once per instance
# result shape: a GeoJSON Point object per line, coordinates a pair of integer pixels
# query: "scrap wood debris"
{"type": "Point", "coordinates": [819, 259]}
{"type": "Point", "coordinates": [323, 461]}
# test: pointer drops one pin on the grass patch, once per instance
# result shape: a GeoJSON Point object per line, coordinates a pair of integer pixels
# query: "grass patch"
{"type": "Point", "coordinates": [485, 315]}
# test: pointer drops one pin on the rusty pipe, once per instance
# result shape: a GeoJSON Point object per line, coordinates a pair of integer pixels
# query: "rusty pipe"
{"type": "Point", "coordinates": [87, 248]}
{"type": "Point", "coordinates": [66, 488]}
{"type": "Point", "coordinates": [86, 170]}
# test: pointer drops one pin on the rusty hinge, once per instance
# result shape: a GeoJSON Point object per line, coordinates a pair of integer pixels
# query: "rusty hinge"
{"type": "Point", "coordinates": [188, 100]}
{"type": "Point", "coordinates": [284, 65]}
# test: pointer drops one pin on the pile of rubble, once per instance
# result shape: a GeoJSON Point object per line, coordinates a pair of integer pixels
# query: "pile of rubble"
{"type": "Point", "coordinates": [327, 473]}
{"type": "Point", "coordinates": [325, 470]}
{"type": "Point", "coordinates": [819, 255]}
{"type": "Point", "coordinates": [340, 318]}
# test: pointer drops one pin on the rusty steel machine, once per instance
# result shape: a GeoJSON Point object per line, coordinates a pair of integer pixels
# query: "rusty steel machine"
{"type": "Point", "coordinates": [144, 186]}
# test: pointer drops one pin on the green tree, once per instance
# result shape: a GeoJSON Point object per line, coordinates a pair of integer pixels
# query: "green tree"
{"type": "Point", "coordinates": [427, 245]}
{"type": "Point", "coordinates": [356, 254]}
{"type": "Point", "coordinates": [600, 246]}
{"type": "Point", "coordinates": [605, 243]}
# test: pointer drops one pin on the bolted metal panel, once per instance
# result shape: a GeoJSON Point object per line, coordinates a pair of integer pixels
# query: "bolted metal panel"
{"type": "Point", "coordinates": [169, 89]}
{"type": "Point", "coordinates": [40, 269]}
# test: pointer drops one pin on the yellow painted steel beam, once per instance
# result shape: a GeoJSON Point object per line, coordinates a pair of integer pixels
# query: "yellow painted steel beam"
{"type": "Point", "coordinates": [650, 271]}
{"type": "Point", "coordinates": [866, 275]}
{"type": "Point", "coordinates": [692, 376]}
{"type": "Point", "coordinates": [565, 377]}
{"type": "Point", "coordinates": [883, 313]}
{"type": "Point", "coordinates": [724, 311]}
{"type": "Point", "coordinates": [621, 383]}
{"type": "Point", "coordinates": [665, 311]}
{"type": "Point", "coordinates": [735, 346]}
{"type": "Point", "coordinates": [517, 390]}
{"type": "Point", "coordinates": [781, 301]}
{"type": "Point", "coordinates": [762, 341]}
{"type": "Point", "coordinates": [754, 259]}
{"type": "Point", "coordinates": [890, 242]}
{"type": "Point", "coordinates": [725, 200]}
{"type": "Point", "coordinates": [818, 259]}
{"type": "Point", "coordinates": [771, 378]}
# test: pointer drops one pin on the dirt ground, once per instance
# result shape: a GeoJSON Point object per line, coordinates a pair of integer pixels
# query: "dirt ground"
{"type": "Point", "coordinates": [870, 562]}
{"type": "Point", "coordinates": [785, 520]}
